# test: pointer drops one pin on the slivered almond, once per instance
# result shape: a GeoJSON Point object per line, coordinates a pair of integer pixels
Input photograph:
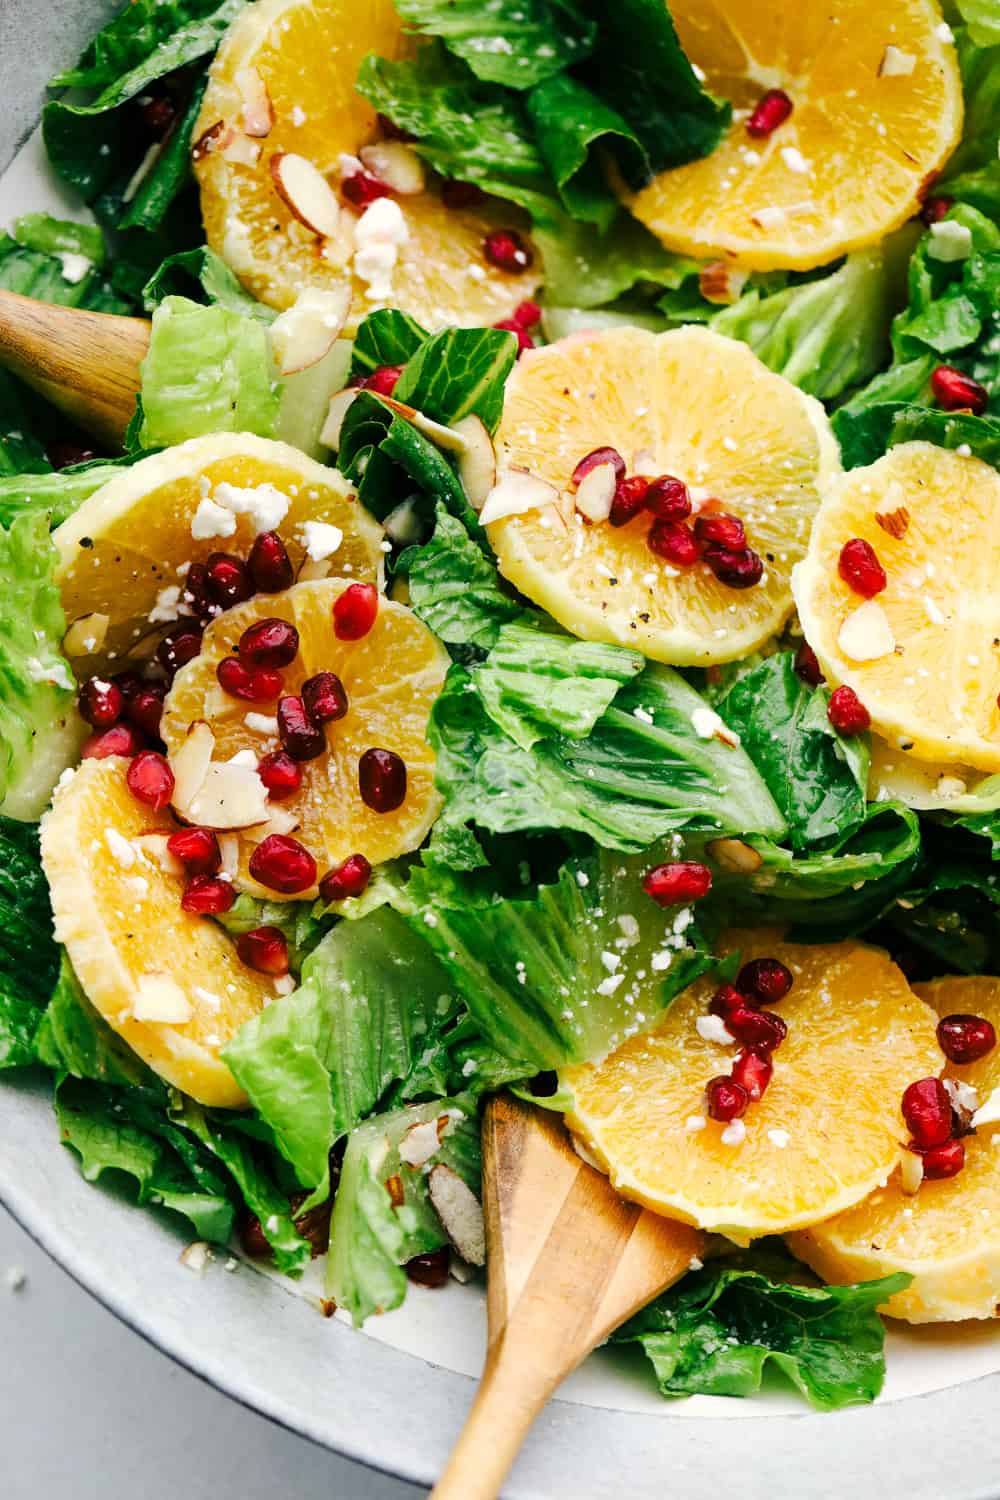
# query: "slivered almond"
{"type": "Point", "coordinates": [258, 111]}
{"type": "Point", "coordinates": [154, 847]}
{"type": "Point", "coordinates": [158, 998]}
{"type": "Point", "coordinates": [734, 856]}
{"type": "Point", "coordinates": [477, 466]}
{"type": "Point", "coordinates": [460, 1212]}
{"type": "Point", "coordinates": [449, 438]}
{"type": "Point", "coordinates": [420, 1143]}
{"type": "Point", "coordinates": [596, 491]}
{"type": "Point", "coordinates": [190, 764]}
{"type": "Point", "coordinates": [86, 635]}
{"type": "Point", "coordinates": [911, 1172]}
{"type": "Point", "coordinates": [515, 492]}
{"type": "Point", "coordinates": [241, 150]}
{"type": "Point", "coordinates": [895, 522]}
{"type": "Point", "coordinates": [721, 283]}
{"type": "Point", "coordinates": [229, 850]}
{"type": "Point", "coordinates": [210, 140]}
{"type": "Point", "coordinates": [340, 404]}
{"type": "Point", "coordinates": [896, 63]}
{"type": "Point", "coordinates": [230, 796]}
{"type": "Point", "coordinates": [306, 332]}
{"type": "Point", "coordinates": [395, 164]}
{"type": "Point", "coordinates": [305, 192]}
{"type": "Point", "coordinates": [866, 634]}
{"type": "Point", "coordinates": [403, 525]}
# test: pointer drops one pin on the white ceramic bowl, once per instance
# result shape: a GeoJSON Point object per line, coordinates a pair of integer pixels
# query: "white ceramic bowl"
{"type": "Point", "coordinates": [394, 1397]}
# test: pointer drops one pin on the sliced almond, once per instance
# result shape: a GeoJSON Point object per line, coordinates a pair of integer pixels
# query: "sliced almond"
{"type": "Point", "coordinates": [190, 764]}
{"type": "Point", "coordinates": [894, 522]}
{"type": "Point", "coordinates": [896, 63]}
{"type": "Point", "coordinates": [229, 850]}
{"type": "Point", "coordinates": [515, 492]}
{"type": "Point", "coordinates": [460, 1212]}
{"type": "Point", "coordinates": [230, 796]}
{"type": "Point", "coordinates": [477, 466]}
{"type": "Point", "coordinates": [866, 634]}
{"type": "Point", "coordinates": [158, 998]}
{"type": "Point", "coordinates": [241, 150]}
{"type": "Point", "coordinates": [397, 165]}
{"type": "Point", "coordinates": [403, 525]}
{"type": "Point", "coordinates": [279, 820]}
{"type": "Point", "coordinates": [212, 139]}
{"type": "Point", "coordinates": [153, 846]}
{"type": "Point", "coordinates": [307, 331]}
{"type": "Point", "coordinates": [258, 111]}
{"type": "Point", "coordinates": [735, 857]}
{"type": "Point", "coordinates": [340, 403]}
{"type": "Point", "coordinates": [596, 491]}
{"type": "Point", "coordinates": [420, 1143]}
{"type": "Point", "coordinates": [911, 1172]}
{"type": "Point", "coordinates": [721, 283]}
{"type": "Point", "coordinates": [306, 192]}
{"type": "Point", "coordinates": [313, 569]}
{"type": "Point", "coordinates": [449, 438]}
{"type": "Point", "coordinates": [86, 635]}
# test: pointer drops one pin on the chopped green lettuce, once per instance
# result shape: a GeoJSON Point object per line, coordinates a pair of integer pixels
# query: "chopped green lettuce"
{"type": "Point", "coordinates": [459, 372]}
{"type": "Point", "coordinates": [455, 588]}
{"type": "Point", "coordinates": [515, 46]}
{"type": "Point", "coordinates": [147, 40]}
{"type": "Point", "coordinates": [29, 957]}
{"type": "Point", "coordinates": [202, 276]}
{"type": "Point", "coordinates": [386, 337]}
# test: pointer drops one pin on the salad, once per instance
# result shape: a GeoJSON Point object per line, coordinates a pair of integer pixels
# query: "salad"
{"type": "Point", "coordinates": [537, 632]}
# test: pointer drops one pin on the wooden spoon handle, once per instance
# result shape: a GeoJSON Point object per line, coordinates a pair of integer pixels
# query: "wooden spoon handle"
{"type": "Point", "coordinates": [506, 1405]}
{"type": "Point", "coordinates": [85, 363]}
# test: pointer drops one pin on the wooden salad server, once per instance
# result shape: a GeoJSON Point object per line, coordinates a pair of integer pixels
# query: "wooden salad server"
{"type": "Point", "coordinates": [568, 1261]}
{"type": "Point", "coordinates": [85, 363]}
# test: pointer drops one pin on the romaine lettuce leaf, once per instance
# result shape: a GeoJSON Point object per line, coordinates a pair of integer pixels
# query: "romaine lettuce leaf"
{"type": "Point", "coordinates": [29, 957]}
{"type": "Point", "coordinates": [387, 459]}
{"type": "Point", "coordinates": [718, 1329]}
{"type": "Point", "coordinates": [55, 496]}
{"type": "Point", "coordinates": [73, 1039]}
{"type": "Point", "coordinates": [202, 276]}
{"type": "Point", "coordinates": [371, 1238]}
{"type": "Point", "coordinates": [40, 730]}
{"type": "Point", "coordinates": [949, 912]}
{"type": "Point", "coordinates": [459, 372]}
{"type": "Point", "coordinates": [455, 588]}
{"type": "Point", "coordinates": [517, 46]}
{"type": "Point", "coordinates": [56, 260]}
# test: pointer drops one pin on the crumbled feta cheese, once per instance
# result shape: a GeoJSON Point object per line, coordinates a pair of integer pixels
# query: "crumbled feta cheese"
{"type": "Point", "coordinates": [122, 851]}
{"type": "Point", "coordinates": [713, 1029]}
{"type": "Point", "coordinates": [167, 608]}
{"type": "Point", "coordinates": [734, 1134]}
{"type": "Point", "coordinates": [694, 1123]}
{"type": "Point", "coordinates": [211, 520]}
{"type": "Point", "coordinates": [582, 879]}
{"type": "Point", "coordinates": [74, 266]}
{"type": "Point", "coordinates": [611, 961]}
{"type": "Point", "coordinates": [55, 673]}
{"type": "Point", "coordinates": [265, 504]}
{"type": "Point", "coordinates": [707, 726]}
{"type": "Point", "coordinates": [950, 241]}
{"type": "Point", "coordinates": [794, 160]}
{"type": "Point", "coordinates": [260, 724]}
{"type": "Point", "coordinates": [948, 787]}
{"type": "Point", "coordinates": [779, 1138]}
{"type": "Point", "coordinates": [661, 961]}
{"type": "Point", "coordinates": [320, 539]}
{"type": "Point", "coordinates": [609, 985]}
{"type": "Point", "coordinates": [379, 235]}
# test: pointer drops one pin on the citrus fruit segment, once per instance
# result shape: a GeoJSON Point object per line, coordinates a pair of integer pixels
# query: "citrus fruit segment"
{"type": "Point", "coordinates": [876, 109]}
{"type": "Point", "coordinates": [123, 555]}
{"type": "Point", "coordinates": [688, 403]}
{"type": "Point", "coordinates": [947, 1234]}
{"type": "Point", "coordinates": [826, 1132]}
{"type": "Point", "coordinates": [302, 58]}
{"type": "Point", "coordinates": [117, 908]}
{"type": "Point", "coordinates": [391, 677]}
{"type": "Point", "coordinates": [925, 785]}
{"type": "Point", "coordinates": [923, 655]}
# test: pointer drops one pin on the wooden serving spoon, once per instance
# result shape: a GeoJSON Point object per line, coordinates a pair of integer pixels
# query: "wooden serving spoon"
{"type": "Point", "coordinates": [85, 363]}
{"type": "Point", "coordinates": [568, 1261]}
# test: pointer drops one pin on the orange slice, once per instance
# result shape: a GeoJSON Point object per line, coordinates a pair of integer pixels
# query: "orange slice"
{"type": "Point", "coordinates": [924, 654]}
{"type": "Point", "coordinates": [876, 111]}
{"type": "Point", "coordinates": [688, 403]}
{"type": "Point", "coordinates": [306, 54]}
{"type": "Point", "coordinates": [947, 1234]}
{"type": "Point", "coordinates": [117, 908]}
{"type": "Point", "coordinates": [122, 555]}
{"type": "Point", "coordinates": [392, 677]}
{"type": "Point", "coordinates": [827, 1130]}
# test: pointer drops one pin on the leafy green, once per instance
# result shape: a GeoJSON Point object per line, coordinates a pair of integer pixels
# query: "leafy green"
{"type": "Point", "coordinates": [574, 129]}
{"type": "Point", "coordinates": [208, 369]}
{"type": "Point", "coordinates": [817, 778]}
{"type": "Point", "coordinates": [535, 684]}
{"type": "Point", "coordinates": [40, 730]}
{"type": "Point", "coordinates": [386, 337]}
{"type": "Point", "coordinates": [75, 1040]}
{"type": "Point", "coordinates": [515, 46]}
{"type": "Point", "coordinates": [950, 910]}
{"type": "Point", "coordinates": [29, 958]}
{"type": "Point", "coordinates": [370, 1238]}
{"type": "Point", "coordinates": [54, 496]}
{"type": "Point", "coordinates": [865, 435]}
{"type": "Point", "coordinates": [718, 1329]}
{"type": "Point", "coordinates": [302, 927]}
{"type": "Point", "coordinates": [20, 450]}
{"type": "Point", "coordinates": [202, 276]}
{"type": "Point", "coordinates": [387, 458]}
{"type": "Point", "coordinates": [159, 188]}
{"type": "Point", "coordinates": [459, 372]}
{"type": "Point", "coordinates": [455, 588]}
{"type": "Point", "coordinates": [972, 174]}
{"type": "Point", "coordinates": [55, 260]}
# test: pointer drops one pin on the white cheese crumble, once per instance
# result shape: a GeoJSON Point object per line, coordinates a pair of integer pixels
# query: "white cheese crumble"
{"type": "Point", "coordinates": [167, 608]}
{"type": "Point", "coordinates": [261, 724]}
{"type": "Point", "coordinates": [379, 235]}
{"type": "Point", "coordinates": [794, 160]}
{"type": "Point", "coordinates": [694, 1123]}
{"type": "Point", "coordinates": [988, 1113]}
{"type": "Point", "coordinates": [734, 1134]}
{"type": "Point", "coordinates": [708, 726]}
{"type": "Point", "coordinates": [713, 1029]}
{"type": "Point", "coordinates": [122, 851]}
{"type": "Point", "coordinates": [320, 539]}
{"type": "Point", "coordinates": [265, 504]}
{"type": "Point", "coordinates": [609, 985]}
{"type": "Point", "coordinates": [950, 241]}
{"type": "Point", "coordinates": [74, 266]}
{"type": "Point", "coordinates": [779, 1138]}
{"type": "Point", "coordinates": [211, 520]}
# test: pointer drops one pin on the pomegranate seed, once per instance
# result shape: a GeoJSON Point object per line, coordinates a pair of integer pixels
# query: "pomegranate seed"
{"type": "Point", "coordinates": [150, 779]}
{"type": "Point", "coordinates": [847, 713]}
{"type": "Point", "coordinates": [524, 339]}
{"type": "Point", "coordinates": [158, 116]}
{"type": "Point", "coordinates": [208, 895]}
{"type": "Point", "coordinates": [628, 500]}
{"type": "Point", "coordinates": [430, 1269]}
{"type": "Point", "coordinates": [361, 188]}
{"type": "Point", "coordinates": [737, 570]}
{"type": "Point", "coordinates": [280, 774]}
{"type": "Point", "coordinates": [674, 542]}
{"type": "Point", "coordinates": [65, 455]}
{"type": "Point", "coordinates": [726, 1000]}
{"type": "Point", "coordinates": [264, 949]}
{"type": "Point", "coordinates": [269, 643]}
{"type": "Point", "coordinates": [927, 1112]}
{"type": "Point", "coordinates": [945, 1160]}
{"type": "Point", "coordinates": [250, 684]}
{"type": "Point", "coordinates": [594, 459]}
{"type": "Point", "coordinates": [760, 1029]}
{"type": "Point", "coordinates": [355, 611]}
{"type": "Point", "coordinates": [324, 697]}
{"type": "Point", "coordinates": [128, 684]}
{"type": "Point", "coordinates": [935, 209]}
{"type": "Point", "coordinates": [544, 1084]}
{"type": "Point", "coordinates": [807, 666]}
{"type": "Point", "coordinates": [283, 864]}
{"type": "Point", "coordinates": [956, 391]}
{"type": "Point", "coordinates": [178, 648]}
{"type": "Point", "coordinates": [390, 131]}
{"type": "Point", "coordinates": [753, 1073]}
{"type": "Point", "coordinates": [505, 249]}
{"type": "Point", "coordinates": [725, 1099]}
{"type": "Point", "coordinates": [269, 564]}
{"type": "Point", "coordinates": [527, 314]}
{"type": "Point", "coordinates": [719, 530]}
{"type": "Point", "coordinates": [668, 499]}
{"type": "Point", "coordinates": [145, 709]}
{"type": "Point", "coordinates": [383, 380]}
{"type": "Point", "coordinates": [196, 593]}
{"type": "Point", "coordinates": [120, 739]}
{"type": "Point", "coordinates": [100, 702]}
{"type": "Point", "coordinates": [770, 112]}
{"type": "Point", "coordinates": [860, 568]}
{"type": "Point", "coordinates": [459, 195]}
{"type": "Point", "coordinates": [765, 981]}
{"type": "Point", "coordinates": [382, 780]}
{"type": "Point", "coordinates": [227, 579]}
{"type": "Point", "coordinates": [298, 734]}
{"type": "Point", "coordinates": [348, 879]}
{"type": "Point", "coordinates": [197, 849]}
{"type": "Point", "coordinates": [673, 885]}
{"type": "Point", "coordinates": [965, 1039]}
